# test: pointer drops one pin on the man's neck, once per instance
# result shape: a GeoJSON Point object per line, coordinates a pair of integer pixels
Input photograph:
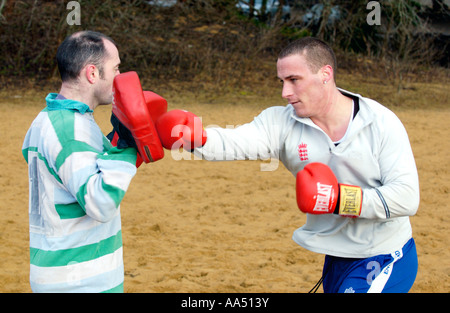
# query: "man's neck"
{"type": "Point", "coordinates": [334, 122]}
{"type": "Point", "coordinates": [76, 92]}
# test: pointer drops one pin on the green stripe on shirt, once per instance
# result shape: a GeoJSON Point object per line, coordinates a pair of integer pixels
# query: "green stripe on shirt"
{"type": "Point", "coordinates": [127, 155]}
{"type": "Point", "coordinates": [71, 210]}
{"type": "Point", "coordinates": [44, 258]}
{"type": "Point", "coordinates": [63, 122]}
{"type": "Point", "coordinates": [72, 147]}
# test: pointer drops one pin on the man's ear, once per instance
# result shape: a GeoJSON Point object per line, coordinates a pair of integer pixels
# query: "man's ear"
{"type": "Point", "coordinates": [327, 73]}
{"type": "Point", "coordinates": [91, 72]}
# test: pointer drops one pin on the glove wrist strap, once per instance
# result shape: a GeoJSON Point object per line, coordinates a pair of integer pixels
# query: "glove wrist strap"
{"type": "Point", "coordinates": [350, 201]}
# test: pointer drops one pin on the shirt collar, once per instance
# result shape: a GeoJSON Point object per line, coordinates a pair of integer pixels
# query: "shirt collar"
{"type": "Point", "coordinates": [59, 102]}
{"type": "Point", "coordinates": [364, 117]}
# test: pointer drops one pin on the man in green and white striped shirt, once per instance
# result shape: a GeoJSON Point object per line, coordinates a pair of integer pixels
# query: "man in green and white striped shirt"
{"type": "Point", "coordinates": [77, 179]}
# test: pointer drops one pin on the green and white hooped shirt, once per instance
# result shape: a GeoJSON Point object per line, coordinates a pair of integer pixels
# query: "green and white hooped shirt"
{"type": "Point", "coordinates": [77, 180]}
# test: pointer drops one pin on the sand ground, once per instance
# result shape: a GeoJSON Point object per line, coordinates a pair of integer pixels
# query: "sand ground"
{"type": "Point", "coordinates": [198, 226]}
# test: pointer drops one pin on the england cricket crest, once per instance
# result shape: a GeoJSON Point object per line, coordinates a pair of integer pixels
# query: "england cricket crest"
{"type": "Point", "coordinates": [303, 152]}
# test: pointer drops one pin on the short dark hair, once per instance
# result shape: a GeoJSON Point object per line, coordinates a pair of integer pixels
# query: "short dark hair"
{"type": "Point", "coordinates": [79, 49]}
{"type": "Point", "coordinates": [316, 52]}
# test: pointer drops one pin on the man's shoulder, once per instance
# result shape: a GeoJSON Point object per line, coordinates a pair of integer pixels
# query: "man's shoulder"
{"type": "Point", "coordinates": [374, 108]}
{"type": "Point", "coordinates": [278, 112]}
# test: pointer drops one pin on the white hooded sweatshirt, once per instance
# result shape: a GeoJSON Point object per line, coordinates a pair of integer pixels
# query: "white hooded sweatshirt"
{"type": "Point", "coordinates": [375, 154]}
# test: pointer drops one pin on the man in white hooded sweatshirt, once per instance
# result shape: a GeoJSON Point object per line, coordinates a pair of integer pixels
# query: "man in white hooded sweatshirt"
{"type": "Point", "coordinates": [363, 144]}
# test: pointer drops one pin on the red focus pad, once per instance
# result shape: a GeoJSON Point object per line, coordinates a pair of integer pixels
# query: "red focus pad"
{"type": "Point", "coordinates": [130, 107]}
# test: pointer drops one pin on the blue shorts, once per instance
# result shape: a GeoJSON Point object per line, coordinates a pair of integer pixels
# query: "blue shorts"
{"type": "Point", "coordinates": [394, 273]}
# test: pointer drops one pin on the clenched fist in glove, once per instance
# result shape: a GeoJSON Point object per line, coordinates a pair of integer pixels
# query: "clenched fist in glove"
{"type": "Point", "coordinates": [179, 128]}
{"type": "Point", "coordinates": [318, 192]}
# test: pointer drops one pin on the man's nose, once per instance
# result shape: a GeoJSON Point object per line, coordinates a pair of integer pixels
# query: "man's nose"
{"type": "Point", "coordinates": [286, 91]}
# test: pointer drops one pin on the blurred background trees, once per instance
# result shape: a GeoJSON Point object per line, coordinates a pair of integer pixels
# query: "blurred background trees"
{"type": "Point", "coordinates": [226, 43]}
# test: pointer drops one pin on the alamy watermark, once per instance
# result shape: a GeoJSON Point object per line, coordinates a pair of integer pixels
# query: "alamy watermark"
{"type": "Point", "coordinates": [374, 16]}
{"type": "Point", "coordinates": [74, 16]}
{"type": "Point", "coordinates": [240, 151]}
{"type": "Point", "coordinates": [270, 162]}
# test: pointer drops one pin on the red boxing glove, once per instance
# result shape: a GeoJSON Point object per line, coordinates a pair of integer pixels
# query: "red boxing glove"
{"type": "Point", "coordinates": [318, 192]}
{"type": "Point", "coordinates": [156, 104]}
{"type": "Point", "coordinates": [179, 128]}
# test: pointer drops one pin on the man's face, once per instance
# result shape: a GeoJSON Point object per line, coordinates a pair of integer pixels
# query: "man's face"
{"type": "Point", "coordinates": [110, 70]}
{"type": "Point", "coordinates": [301, 87]}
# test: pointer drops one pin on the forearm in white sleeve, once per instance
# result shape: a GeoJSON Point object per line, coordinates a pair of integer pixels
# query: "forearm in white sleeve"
{"type": "Point", "coordinates": [258, 140]}
{"type": "Point", "coordinates": [398, 194]}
